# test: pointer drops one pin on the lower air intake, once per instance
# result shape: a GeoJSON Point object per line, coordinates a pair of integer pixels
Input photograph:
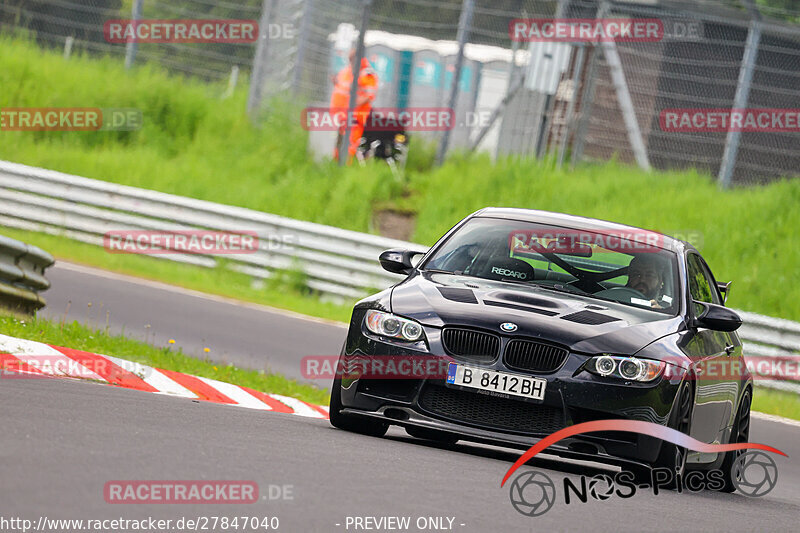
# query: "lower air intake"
{"type": "Point", "coordinates": [490, 411]}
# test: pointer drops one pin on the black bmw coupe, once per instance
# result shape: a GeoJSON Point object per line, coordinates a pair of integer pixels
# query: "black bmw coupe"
{"type": "Point", "coordinates": [537, 321]}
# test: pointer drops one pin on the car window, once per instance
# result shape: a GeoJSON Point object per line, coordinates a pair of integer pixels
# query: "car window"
{"type": "Point", "coordinates": [700, 281]}
{"type": "Point", "coordinates": [620, 265]}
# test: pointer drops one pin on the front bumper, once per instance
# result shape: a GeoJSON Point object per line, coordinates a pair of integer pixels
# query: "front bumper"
{"type": "Point", "coordinates": [571, 396]}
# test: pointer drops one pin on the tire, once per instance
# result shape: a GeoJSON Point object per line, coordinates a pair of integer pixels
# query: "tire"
{"type": "Point", "coordinates": [354, 424]}
{"type": "Point", "coordinates": [672, 456]}
{"type": "Point", "coordinates": [432, 434]}
{"type": "Point", "coordinates": [740, 433]}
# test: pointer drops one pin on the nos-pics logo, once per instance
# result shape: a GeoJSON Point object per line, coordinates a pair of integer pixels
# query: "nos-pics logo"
{"type": "Point", "coordinates": [533, 493]}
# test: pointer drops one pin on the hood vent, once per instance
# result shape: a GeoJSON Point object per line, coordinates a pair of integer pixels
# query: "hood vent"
{"type": "Point", "coordinates": [465, 296]}
{"type": "Point", "coordinates": [545, 312]}
{"type": "Point", "coordinates": [590, 318]}
{"type": "Point", "coordinates": [527, 300]}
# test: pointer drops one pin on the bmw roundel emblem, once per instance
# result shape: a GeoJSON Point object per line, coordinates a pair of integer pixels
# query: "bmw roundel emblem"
{"type": "Point", "coordinates": [508, 326]}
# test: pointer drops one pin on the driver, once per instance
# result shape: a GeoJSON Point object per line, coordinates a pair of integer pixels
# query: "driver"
{"type": "Point", "coordinates": [647, 274]}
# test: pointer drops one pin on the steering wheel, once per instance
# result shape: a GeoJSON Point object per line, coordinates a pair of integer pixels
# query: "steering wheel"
{"type": "Point", "coordinates": [629, 290]}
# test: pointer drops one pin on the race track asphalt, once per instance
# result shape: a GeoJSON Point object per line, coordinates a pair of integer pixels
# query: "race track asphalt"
{"type": "Point", "coordinates": [249, 336]}
{"type": "Point", "coordinates": [62, 440]}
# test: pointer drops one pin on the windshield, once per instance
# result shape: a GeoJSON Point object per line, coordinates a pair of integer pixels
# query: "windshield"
{"type": "Point", "coordinates": [625, 266]}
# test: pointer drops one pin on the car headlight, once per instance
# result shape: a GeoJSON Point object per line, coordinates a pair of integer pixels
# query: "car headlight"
{"type": "Point", "coordinates": [627, 368]}
{"type": "Point", "coordinates": [390, 325]}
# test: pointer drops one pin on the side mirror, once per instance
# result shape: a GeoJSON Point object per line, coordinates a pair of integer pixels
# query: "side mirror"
{"type": "Point", "coordinates": [398, 261]}
{"type": "Point", "coordinates": [715, 317]}
{"type": "Point", "coordinates": [724, 288]}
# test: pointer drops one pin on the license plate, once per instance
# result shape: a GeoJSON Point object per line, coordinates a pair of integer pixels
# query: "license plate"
{"type": "Point", "coordinates": [489, 380]}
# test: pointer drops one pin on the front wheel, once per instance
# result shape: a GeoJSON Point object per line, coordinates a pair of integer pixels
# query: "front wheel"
{"type": "Point", "coordinates": [740, 433]}
{"type": "Point", "coordinates": [355, 424]}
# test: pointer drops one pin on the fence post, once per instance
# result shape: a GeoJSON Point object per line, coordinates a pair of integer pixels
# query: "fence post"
{"type": "Point", "coordinates": [133, 46]}
{"type": "Point", "coordinates": [626, 104]}
{"type": "Point", "coordinates": [742, 94]}
{"type": "Point", "coordinates": [582, 129]}
{"type": "Point", "coordinates": [464, 25]}
{"type": "Point", "coordinates": [576, 81]}
{"type": "Point", "coordinates": [257, 72]}
{"type": "Point", "coordinates": [511, 90]}
{"type": "Point", "coordinates": [302, 44]}
{"type": "Point", "coordinates": [344, 142]}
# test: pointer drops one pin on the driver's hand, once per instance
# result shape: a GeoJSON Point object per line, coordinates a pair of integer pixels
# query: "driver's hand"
{"type": "Point", "coordinates": [655, 305]}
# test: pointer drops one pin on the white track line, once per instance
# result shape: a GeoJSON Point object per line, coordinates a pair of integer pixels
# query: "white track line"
{"type": "Point", "coordinates": [299, 407]}
{"type": "Point", "coordinates": [154, 378]}
{"type": "Point", "coordinates": [775, 418]}
{"type": "Point", "coordinates": [49, 361]}
{"type": "Point", "coordinates": [237, 394]}
{"type": "Point", "coordinates": [45, 358]}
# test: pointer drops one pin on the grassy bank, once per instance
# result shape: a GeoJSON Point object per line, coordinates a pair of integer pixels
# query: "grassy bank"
{"type": "Point", "coordinates": [219, 281]}
{"type": "Point", "coordinates": [195, 144]}
{"type": "Point", "coordinates": [775, 402]}
{"type": "Point", "coordinates": [80, 337]}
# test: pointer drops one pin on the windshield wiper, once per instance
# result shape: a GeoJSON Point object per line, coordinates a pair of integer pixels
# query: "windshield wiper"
{"type": "Point", "coordinates": [515, 281]}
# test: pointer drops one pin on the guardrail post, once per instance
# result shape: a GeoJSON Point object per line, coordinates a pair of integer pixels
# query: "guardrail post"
{"type": "Point", "coordinates": [233, 81]}
{"type": "Point", "coordinates": [68, 46]}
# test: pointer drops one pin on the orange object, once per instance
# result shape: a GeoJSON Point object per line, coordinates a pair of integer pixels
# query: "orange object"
{"type": "Point", "coordinates": [340, 99]}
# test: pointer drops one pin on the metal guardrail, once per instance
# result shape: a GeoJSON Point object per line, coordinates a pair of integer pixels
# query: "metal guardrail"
{"type": "Point", "coordinates": [22, 269]}
{"type": "Point", "coordinates": [776, 339]}
{"type": "Point", "coordinates": [338, 263]}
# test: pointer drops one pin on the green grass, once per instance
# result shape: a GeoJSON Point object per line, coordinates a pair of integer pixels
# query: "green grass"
{"type": "Point", "coordinates": [79, 337]}
{"type": "Point", "coordinates": [195, 144]}
{"type": "Point", "coordinates": [775, 402]}
{"type": "Point", "coordinates": [192, 142]}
